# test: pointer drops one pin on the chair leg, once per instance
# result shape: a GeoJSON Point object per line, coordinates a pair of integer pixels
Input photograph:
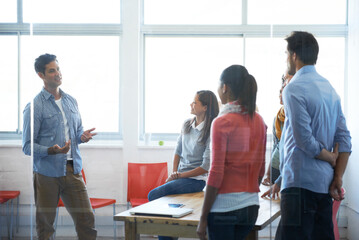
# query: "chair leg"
{"type": "Point", "coordinates": [17, 214]}
{"type": "Point", "coordinates": [11, 219]}
{"type": "Point", "coordinates": [114, 222]}
{"type": "Point", "coordinates": [0, 220]}
{"type": "Point", "coordinates": [7, 218]}
{"type": "Point", "coordinates": [9, 212]}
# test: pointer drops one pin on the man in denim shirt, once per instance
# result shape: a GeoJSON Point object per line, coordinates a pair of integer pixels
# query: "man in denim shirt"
{"type": "Point", "coordinates": [57, 132]}
{"type": "Point", "coordinates": [311, 175]}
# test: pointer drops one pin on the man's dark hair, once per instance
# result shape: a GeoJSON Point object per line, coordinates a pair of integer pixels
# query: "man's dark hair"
{"type": "Point", "coordinates": [42, 61]}
{"type": "Point", "coordinates": [304, 45]}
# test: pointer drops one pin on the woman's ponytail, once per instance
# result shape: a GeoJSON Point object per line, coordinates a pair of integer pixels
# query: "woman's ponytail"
{"type": "Point", "coordinates": [248, 96]}
{"type": "Point", "coordinates": [243, 86]}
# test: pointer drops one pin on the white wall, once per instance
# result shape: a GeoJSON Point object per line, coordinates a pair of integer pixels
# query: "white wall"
{"type": "Point", "coordinates": [105, 169]}
{"type": "Point", "coordinates": [351, 176]}
{"type": "Point", "coordinates": [106, 174]}
{"type": "Point", "coordinates": [15, 172]}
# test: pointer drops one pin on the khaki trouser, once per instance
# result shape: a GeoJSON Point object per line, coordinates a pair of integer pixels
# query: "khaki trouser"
{"type": "Point", "coordinates": [73, 193]}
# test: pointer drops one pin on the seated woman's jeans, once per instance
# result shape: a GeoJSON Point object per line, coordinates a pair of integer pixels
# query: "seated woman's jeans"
{"type": "Point", "coordinates": [232, 225]}
{"type": "Point", "coordinates": [178, 186]}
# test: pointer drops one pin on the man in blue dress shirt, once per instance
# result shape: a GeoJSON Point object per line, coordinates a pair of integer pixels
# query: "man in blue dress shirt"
{"type": "Point", "coordinates": [315, 146]}
{"type": "Point", "coordinates": [57, 132]}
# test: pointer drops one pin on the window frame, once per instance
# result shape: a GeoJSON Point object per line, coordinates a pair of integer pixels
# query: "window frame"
{"type": "Point", "coordinates": [20, 28]}
{"type": "Point", "coordinates": [246, 30]}
{"type": "Point", "coordinates": [52, 29]}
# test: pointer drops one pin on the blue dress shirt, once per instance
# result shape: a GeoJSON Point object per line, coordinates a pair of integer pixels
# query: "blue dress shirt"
{"type": "Point", "coordinates": [49, 130]}
{"type": "Point", "coordinates": [314, 120]}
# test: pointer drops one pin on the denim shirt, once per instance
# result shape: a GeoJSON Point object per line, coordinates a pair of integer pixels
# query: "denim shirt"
{"type": "Point", "coordinates": [314, 120]}
{"type": "Point", "coordinates": [49, 130]}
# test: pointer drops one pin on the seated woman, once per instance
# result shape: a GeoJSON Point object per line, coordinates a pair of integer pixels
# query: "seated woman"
{"type": "Point", "coordinates": [192, 155]}
{"type": "Point", "coordinates": [231, 202]}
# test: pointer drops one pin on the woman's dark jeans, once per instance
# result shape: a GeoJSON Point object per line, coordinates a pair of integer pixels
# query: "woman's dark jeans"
{"type": "Point", "coordinates": [232, 225]}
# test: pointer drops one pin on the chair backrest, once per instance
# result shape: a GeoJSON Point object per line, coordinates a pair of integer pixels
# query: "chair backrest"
{"type": "Point", "coordinates": [143, 177]}
{"type": "Point", "coordinates": [61, 203]}
{"type": "Point", "coordinates": [336, 205]}
{"type": "Point", "coordinates": [83, 175]}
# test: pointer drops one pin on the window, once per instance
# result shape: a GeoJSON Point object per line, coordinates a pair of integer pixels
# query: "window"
{"type": "Point", "coordinates": [193, 12]}
{"type": "Point", "coordinates": [184, 46]}
{"type": "Point", "coordinates": [292, 12]}
{"type": "Point", "coordinates": [89, 67]}
{"type": "Point", "coordinates": [69, 11]}
{"type": "Point", "coordinates": [187, 48]}
{"type": "Point", "coordinates": [331, 62]}
{"type": "Point", "coordinates": [9, 84]}
{"type": "Point", "coordinates": [86, 38]}
{"type": "Point", "coordinates": [8, 11]}
{"type": "Point", "coordinates": [266, 61]}
{"type": "Point", "coordinates": [176, 68]}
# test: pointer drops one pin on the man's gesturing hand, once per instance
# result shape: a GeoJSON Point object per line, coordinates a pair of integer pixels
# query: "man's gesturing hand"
{"type": "Point", "coordinates": [87, 135]}
{"type": "Point", "coordinates": [57, 149]}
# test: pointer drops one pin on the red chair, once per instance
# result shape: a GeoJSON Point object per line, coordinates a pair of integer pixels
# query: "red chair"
{"type": "Point", "coordinates": [142, 178]}
{"type": "Point", "coordinates": [336, 205]}
{"type": "Point", "coordinates": [95, 203]}
{"type": "Point", "coordinates": [6, 197]}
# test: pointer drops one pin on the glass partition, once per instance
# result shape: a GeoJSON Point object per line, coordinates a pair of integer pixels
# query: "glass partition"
{"type": "Point", "coordinates": [134, 68]}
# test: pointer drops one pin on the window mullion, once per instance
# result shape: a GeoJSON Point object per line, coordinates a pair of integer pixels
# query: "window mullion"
{"type": "Point", "coordinates": [244, 12]}
{"type": "Point", "coordinates": [19, 11]}
{"type": "Point", "coordinates": [18, 82]}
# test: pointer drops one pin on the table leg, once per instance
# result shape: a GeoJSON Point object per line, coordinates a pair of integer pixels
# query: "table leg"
{"type": "Point", "coordinates": [253, 235]}
{"type": "Point", "coordinates": [131, 231]}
